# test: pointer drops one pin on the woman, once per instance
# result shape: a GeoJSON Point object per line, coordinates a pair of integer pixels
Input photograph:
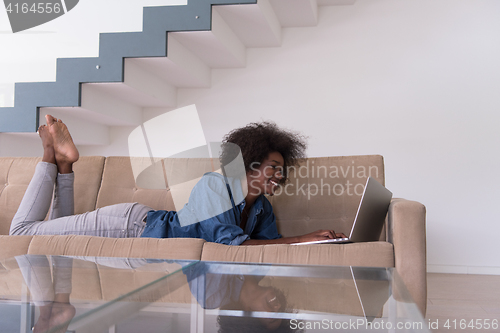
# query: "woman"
{"type": "Point", "coordinates": [242, 219]}
{"type": "Point", "coordinates": [267, 152]}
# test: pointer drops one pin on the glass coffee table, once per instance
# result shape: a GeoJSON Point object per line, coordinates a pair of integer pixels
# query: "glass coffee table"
{"type": "Point", "coordinates": [150, 295]}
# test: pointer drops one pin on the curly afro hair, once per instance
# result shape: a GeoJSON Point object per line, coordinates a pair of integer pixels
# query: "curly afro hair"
{"type": "Point", "coordinates": [258, 140]}
{"type": "Point", "coordinates": [231, 324]}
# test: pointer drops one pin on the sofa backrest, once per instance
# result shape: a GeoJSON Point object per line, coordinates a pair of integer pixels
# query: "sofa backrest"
{"type": "Point", "coordinates": [122, 181]}
{"type": "Point", "coordinates": [322, 193]}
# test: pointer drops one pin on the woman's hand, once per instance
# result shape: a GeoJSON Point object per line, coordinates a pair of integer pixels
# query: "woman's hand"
{"type": "Point", "coordinates": [313, 236]}
{"type": "Point", "coordinates": [319, 235]}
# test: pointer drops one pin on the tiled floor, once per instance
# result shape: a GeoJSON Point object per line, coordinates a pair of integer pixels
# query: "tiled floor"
{"type": "Point", "coordinates": [458, 299]}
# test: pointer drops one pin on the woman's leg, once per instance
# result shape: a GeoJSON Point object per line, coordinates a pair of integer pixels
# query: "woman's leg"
{"type": "Point", "coordinates": [122, 220]}
{"type": "Point", "coordinates": [37, 275]}
{"type": "Point", "coordinates": [61, 311]}
{"type": "Point", "coordinates": [37, 198]}
{"type": "Point", "coordinates": [63, 203]}
{"type": "Point", "coordinates": [59, 155]}
{"type": "Point", "coordinates": [116, 221]}
{"type": "Point", "coordinates": [52, 297]}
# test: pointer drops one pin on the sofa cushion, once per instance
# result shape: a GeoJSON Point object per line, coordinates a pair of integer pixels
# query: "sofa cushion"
{"type": "Point", "coordinates": [72, 245]}
{"type": "Point", "coordinates": [134, 179]}
{"type": "Point", "coordinates": [14, 245]}
{"type": "Point", "coordinates": [88, 177]}
{"type": "Point", "coordinates": [107, 287]}
{"type": "Point", "coordinates": [116, 281]}
{"type": "Point", "coordinates": [119, 185]}
{"type": "Point", "coordinates": [375, 254]}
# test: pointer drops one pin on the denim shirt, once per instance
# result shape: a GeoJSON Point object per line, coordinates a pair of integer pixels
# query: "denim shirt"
{"type": "Point", "coordinates": [213, 213]}
{"type": "Point", "coordinates": [218, 289]}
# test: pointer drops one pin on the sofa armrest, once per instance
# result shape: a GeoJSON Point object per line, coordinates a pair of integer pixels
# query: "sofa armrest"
{"type": "Point", "coordinates": [406, 231]}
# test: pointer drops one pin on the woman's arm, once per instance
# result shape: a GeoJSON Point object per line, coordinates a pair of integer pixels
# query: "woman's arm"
{"type": "Point", "coordinates": [313, 236]}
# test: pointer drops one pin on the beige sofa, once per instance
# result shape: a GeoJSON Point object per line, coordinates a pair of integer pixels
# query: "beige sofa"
{"type": "Point", "coordinates": [322, 193]}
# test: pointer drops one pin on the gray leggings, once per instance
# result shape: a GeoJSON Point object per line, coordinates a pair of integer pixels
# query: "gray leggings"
{"type": "Point", "coordinates": [118, 221]}
{"type": "Point", "coordinates": [122, 220]}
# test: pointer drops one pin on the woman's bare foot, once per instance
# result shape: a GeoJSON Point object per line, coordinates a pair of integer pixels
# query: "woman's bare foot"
{"type": "Point", "coordinates": [48, 145]}
{"type": "Point", "coordinates": [65, 150]}
{"type": "Point", "coordinates": [60, 317]}
{"type": "Point", "coordinates": [42, 324]}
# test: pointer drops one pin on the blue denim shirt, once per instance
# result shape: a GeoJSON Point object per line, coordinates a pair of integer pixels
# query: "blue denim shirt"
{"type": "Point", "coordinates": [213, 213]}
{"type": "Point", "coordinates": [219, 289]}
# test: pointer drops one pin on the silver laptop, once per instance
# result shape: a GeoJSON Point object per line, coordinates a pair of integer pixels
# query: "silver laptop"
{"type": "Point", "coordinates": [373, 290]}
{"type": "Point", "coordinates": [370, 217]}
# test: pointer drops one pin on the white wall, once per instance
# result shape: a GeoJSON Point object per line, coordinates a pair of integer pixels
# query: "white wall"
{"type": "Point", "coordinates": [413, 80]}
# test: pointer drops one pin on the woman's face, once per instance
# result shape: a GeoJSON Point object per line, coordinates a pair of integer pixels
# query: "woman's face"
{"type": "Point", "coordinates": [265, 178]}
{"type": "Point", "coordinates": [265, 299]}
